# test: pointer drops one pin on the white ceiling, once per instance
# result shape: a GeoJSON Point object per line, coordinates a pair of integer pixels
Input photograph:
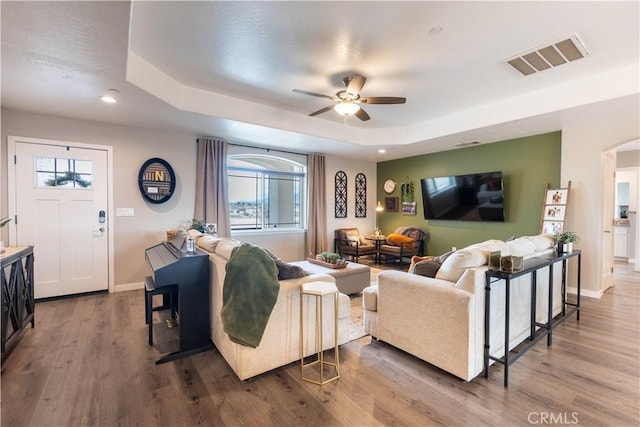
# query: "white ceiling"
{"type": "Point", "coordinates": [228, 68]}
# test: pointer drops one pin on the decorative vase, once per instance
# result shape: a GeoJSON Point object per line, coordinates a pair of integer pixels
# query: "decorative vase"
{"type": "Point", "coordinates": [565, 247]}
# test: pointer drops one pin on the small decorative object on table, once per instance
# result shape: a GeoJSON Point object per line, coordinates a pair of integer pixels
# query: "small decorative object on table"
{"type": "Point", "coordinates": [4, 221]}
{"type": "Point", "coordinates": [565, 240]}
{"type": "Point", "coordinates": [494, 260]}
{"type": "Point", "coordinates": [211, 228]}
{"type": "Point", "coordinates": [329, 260]}
{"type": "Point", "coordinates": [512, 264]}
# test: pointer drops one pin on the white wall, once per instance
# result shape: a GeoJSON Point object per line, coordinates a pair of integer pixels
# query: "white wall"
{"type": "Point", "coordinates": [351, 168]}
{"type": "Point", "coordinates": [131, 148]}
{"type": "Point", "coordinates": [583, 145]}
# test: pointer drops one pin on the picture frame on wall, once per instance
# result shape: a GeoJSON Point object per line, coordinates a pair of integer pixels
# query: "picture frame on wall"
{"type": "Point", "coordinates": [556, 196]}
{"type": "Point", "coordinates": [554, 212]}
{"type": "Point", "coordinates": [391, 204]}
{"type": "Point", "coordinates": [552, 227]}
{"type": "Point", "coordinates": [408, 208]}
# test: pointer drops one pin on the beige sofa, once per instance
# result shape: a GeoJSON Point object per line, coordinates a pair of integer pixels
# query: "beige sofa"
{"type": "Point", "coordinates": [441, 319]}
{"type": "Point", "coordinates": [280, 343]}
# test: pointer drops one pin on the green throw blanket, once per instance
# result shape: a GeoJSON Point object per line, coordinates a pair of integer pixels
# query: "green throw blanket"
{"type": "Point", "coordinates": [250, 291]}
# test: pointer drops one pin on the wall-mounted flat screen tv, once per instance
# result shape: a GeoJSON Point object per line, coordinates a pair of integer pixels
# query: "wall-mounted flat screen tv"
{"type": "Point", "coordinates": [472, 197]}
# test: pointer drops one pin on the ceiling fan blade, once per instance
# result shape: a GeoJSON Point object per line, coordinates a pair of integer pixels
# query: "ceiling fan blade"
{"type": "Point", "coordinates": [355, 84]}
{"type": "Point", "coordinates": [322, 110]}
{"type": "Point", "coordinates": [319, 95]}
{"type": "Point", "coordinates": [362, 115]}
{"type": "Point", "coordinates": [383, 100]}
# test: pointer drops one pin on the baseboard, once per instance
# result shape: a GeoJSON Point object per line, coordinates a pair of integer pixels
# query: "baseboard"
{"type": "Point", "coordinates": [129, 287]}
{"type": "Point", "coordinates": [585, 292]}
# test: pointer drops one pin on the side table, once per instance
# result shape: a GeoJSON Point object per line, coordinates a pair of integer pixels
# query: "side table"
{"type": "Point", "coordinates": [531, 267]}
{"type": "Point", "coordinates": [377, 240]}
{"type": "Point", "coordinates": [319, 290]}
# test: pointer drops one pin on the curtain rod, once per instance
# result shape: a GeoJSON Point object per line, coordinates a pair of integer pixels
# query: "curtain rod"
{"type": "Point", "coordinates": [269, 149]}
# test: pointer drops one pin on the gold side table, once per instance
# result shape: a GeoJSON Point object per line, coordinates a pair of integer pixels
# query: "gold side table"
{"type": "Point", "coordinates": [319, 290]}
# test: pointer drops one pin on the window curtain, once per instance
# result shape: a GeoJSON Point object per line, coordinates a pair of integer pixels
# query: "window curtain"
{"type": "Point", "coordinates": [212, 184]}
{"type": "Point", "coordinates": [317, 216]}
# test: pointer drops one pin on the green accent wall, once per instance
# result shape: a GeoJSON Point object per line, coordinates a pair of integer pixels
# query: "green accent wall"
{"type": "Point", "coordinates": [527, 164]}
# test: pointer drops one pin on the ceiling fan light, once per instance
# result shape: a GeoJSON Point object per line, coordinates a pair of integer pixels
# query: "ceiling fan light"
{"type": "Point", "coordinates": [346, 108]}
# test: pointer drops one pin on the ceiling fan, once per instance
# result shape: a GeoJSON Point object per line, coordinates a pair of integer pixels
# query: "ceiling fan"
{"type": "Point", "coordinates": [347, 101]}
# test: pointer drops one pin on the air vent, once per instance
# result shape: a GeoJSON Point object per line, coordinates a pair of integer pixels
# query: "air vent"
{"type": "Point", "coordinates": [548, 56]}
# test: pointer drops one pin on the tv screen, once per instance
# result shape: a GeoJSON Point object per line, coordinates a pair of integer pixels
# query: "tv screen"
{"type": "Point", "coordinates": [473, 197]}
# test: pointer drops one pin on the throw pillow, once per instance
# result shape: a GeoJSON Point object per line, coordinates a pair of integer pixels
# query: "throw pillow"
{"type": "Point", "coordinates": [208, 243]}
{"type": "Point", "coordinates": [363, 240]}
{"type": "Point", "coordinates": [442, 258]}
{"type": "Point", "coordinates": [398, 239]}
{"type": "Point", "coordinates": [353, 240]}
{"type": "Point", "coordinates": [542, 241]}
{"type": "Point", "coordinates": [521, 246]}
{"type": "Point", "coordinates": [427, 268]}
{"type": "Point", "coordinates": [285, 270]}
{"type": "Point", "coordinates": [288, 271]}
{"type": "Point", "coordinates": [458, 262]}
{"type": "Point", "coordinates": [415, 259]}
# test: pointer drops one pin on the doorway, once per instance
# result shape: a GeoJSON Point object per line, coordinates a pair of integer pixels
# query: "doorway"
{"type": "Point", "coordinates": [626, 227]}
{"type": "Point", "coordinates": [59, 196]}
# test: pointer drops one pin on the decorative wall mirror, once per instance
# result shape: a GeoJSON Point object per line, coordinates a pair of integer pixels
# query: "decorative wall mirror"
{"type": "Point", "coordinates": [361, 196]}
{"type": "Point", "coordinates": [341, 194]}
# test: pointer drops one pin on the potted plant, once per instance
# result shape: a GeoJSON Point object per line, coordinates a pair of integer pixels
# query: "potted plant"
{"type": "Point", "coordinates": [330, 257]}
{"type": "Point", "coordinates": [4, 221]}
{"type": "Point", "coordinates": [566, 239]}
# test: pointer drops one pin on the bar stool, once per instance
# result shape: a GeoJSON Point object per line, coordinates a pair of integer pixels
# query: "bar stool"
{"type": "Point", "coordinates": [319, 290]}
{"type": "Point", "coordinates": [169, 297]}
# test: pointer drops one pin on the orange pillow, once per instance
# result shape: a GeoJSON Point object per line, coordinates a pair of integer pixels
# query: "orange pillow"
{"type": "Point", "coordinates": [398, 239]}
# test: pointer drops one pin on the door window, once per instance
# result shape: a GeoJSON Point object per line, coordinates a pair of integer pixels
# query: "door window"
{"type": "Point", "coordinates": [63, 173]}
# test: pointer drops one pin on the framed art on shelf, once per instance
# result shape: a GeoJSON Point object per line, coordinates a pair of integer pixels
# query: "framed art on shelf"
{"type": "Point", "coordinates": [552, 227]}
{"type": "Point", "coordinates": [554, 212]}
{"type": "Point", "coordinates": [391, 204]}
{"type": "Point", "coordinates": [556, 196]}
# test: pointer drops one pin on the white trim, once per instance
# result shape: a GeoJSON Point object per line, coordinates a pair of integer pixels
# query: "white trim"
{"type": "Point", "coordinates": [585, 292]}
{"type": "Point", "coordinates": [12, 188]}
{"type": "Point", "coordinates": [129, 287]}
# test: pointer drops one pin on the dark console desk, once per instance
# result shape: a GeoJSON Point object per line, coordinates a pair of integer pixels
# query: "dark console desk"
{"type": "Point", "coordinates": [185, 276]}
{"type": "Point", "coordinates": [18, 305]}
{"type": "Point", "coordinates": [538, 330]}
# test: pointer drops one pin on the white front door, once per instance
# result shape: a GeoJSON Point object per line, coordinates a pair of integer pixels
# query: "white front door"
{"type": "Point", "coordinates": [61, 196]}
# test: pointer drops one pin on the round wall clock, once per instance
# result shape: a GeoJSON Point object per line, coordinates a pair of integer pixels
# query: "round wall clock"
{"type": "Point", "coordinates": [389, 186]}
{"type": "Point", "coordinates": [156, 180]}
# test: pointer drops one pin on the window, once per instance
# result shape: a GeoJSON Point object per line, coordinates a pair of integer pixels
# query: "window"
{"type": "Point", "coordinates": [265, 192]}
{"type": "Point", "coordinates": [65, 173]}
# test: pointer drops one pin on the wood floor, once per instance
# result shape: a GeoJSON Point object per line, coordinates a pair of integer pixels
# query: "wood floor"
{"type": "Point", "coordinates": [87, 363]}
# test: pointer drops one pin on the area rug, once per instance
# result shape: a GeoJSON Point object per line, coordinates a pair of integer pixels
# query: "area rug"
{"type": "Point", "coordinates": [356, 325]}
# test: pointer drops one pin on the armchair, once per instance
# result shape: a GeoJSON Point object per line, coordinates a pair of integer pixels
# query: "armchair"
{"type": "Point", "coordinates": [349, 242]}
{"type": "Point", "coordinates": [412, 241]}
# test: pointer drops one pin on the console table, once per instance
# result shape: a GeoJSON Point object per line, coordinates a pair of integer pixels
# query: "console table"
{"type": "Point", "coordinates": [16, 277]}
{"type": "Point", "coordinates": [531, 266]}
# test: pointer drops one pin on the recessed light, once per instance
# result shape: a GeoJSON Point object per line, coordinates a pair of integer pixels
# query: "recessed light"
{"type": "Point", "coordinates": [111, 97]}
{"type": "Point", "coordinates": [382, 151]}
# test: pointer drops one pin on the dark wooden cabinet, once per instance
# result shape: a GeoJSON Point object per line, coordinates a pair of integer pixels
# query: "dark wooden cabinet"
{"type": "Point", "coordinates": [18, 303]}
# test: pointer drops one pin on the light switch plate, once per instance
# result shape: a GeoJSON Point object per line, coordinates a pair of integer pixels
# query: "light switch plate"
{"type": "Point", "coordinates": [125, 212]}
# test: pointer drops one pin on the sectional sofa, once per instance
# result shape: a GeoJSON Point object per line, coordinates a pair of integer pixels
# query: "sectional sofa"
{"type": "Point", "coordinates": [280, 344]}
{"type": "Point", "coordinates": [441, 319]}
